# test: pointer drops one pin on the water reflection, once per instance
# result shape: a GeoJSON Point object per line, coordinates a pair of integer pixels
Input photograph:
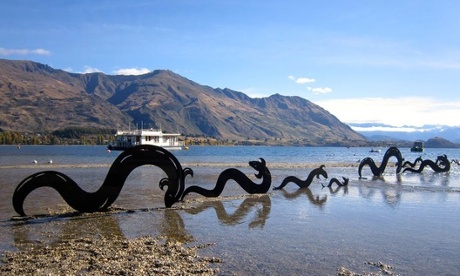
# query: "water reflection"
{"type": "Point", "coordinates": [55, 229]}
{"type": "Point", "coordinates": [240, 213]}
{"type": "Point", "coordinates": [337, 189]}
{"type": "Point", "coordinates": [315, 200]}
{"type": "Point", "coordinates": [391, 196]}
{"type": "Point", "coordinates": [173, 228]}
{"type": "Point", "coordinates": [382, 178]}
{"type": "Point", "coordinates": [51, 230]}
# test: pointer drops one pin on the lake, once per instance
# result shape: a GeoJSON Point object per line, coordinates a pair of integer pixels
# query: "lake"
{"type": "Point", "coordinates": [409, 221]}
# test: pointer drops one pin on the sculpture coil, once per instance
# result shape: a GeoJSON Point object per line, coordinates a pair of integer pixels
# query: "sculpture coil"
{"type": "Point", "coordinates": [233, 174]}
{"type": "Point", "coordinates": [378, 170]}
{"type": "Point", "coordinates": [442, 164]}
{"type": "Point", "coordinates": [336, 181]}
{"type": "Point", "coordinates": [304, 183]}
{"type": "Point", "coordinates": [412, 165]}
{"type": "Point", "coordinates": [101, 199]}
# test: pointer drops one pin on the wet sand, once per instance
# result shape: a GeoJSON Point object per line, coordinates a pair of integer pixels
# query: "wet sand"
{"type": "Point", "coordinates": [63, 250]}
{"type": "Point", "coordinates": [384, 226]}
{"type": "Point", "coordinates": [108, 256]}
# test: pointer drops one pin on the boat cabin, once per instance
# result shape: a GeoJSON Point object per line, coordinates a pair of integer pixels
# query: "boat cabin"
{"type": "Point", "coordinates": [417, 147]}
{"type": "Point", "coordinates": [129, 138]}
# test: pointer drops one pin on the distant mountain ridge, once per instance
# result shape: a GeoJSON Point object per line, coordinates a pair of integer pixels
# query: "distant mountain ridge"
{"type": "Point", "coordinates": [382, 132]}
{"type": "Point", "coordinates": [37, 97]}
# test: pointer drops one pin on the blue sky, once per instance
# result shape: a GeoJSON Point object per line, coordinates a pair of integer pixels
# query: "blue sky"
{"type": "Point", "coordinates": [393, 62]}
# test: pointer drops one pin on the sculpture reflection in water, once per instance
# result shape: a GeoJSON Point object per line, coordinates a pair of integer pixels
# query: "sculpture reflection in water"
{"type": "Point", "coordinates": [304, 183]}
{"type": "Point", "coordinates": [103, 198]}
{"type": "Point", "coordinates": [313, 199]}
{"type": "Point", "coordinates": [63, 226]}
{"type": "Point", "coordinates": [240, 213]}
{"type": "Point", "coordinates": [442, 164]}
{"type": "Point", "coordinates": [378, 170]}
{"type": "Point", "coordinates": [172, 227]}
{"type": "Point", "coordinates": [239, 177]}
{"type": "Point", "coordinates": [337, 189]}
{"type": "Point", "coordinates": [102, 224]}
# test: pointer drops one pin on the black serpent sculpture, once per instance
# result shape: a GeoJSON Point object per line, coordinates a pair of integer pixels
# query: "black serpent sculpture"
{"type": "Point", "coordinates": [239, 177]}
{"type": "Point", "coordinates": [442, 164]}
{"type": "Point", "coordinates": [377, 171]}
{"type": "Point", "coordinates": [412, 165]}
{"type": "Point", "coordinates": [303, 183]}
{"type": "Point", "coordinates": [336, 181]}
{"type": "Point", "coordinates": [101, 199]}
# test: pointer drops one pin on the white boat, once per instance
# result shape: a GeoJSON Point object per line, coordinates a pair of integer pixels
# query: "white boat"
{"type": "Point", "coordinates": [418, 147]}
{"type": "Point", "coordinates": [125, 139]}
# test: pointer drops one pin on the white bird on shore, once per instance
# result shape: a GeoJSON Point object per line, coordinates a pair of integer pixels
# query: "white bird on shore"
{"type": "Point", "coordinates": [34, 161]}
{"type": "Point", "coordinates": [51, 161]}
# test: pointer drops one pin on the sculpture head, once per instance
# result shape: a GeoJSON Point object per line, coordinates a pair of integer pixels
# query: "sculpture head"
{"type": "Point", "coordinates": [259, 166]}
{"type": "Point", "coordinates": [321, 171]}
{"type": "Point", "coordinates": [442, 160]}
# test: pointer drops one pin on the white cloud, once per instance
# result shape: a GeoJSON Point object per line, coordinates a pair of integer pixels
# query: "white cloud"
{"type": "Point", "coordinates": [403, 111]}
{"type": "Point", "coordinates": [10, 52]}
{"type": "Point", "coordinates": [253, 92]}
{"type": "Point", "coordinates": [301, 80]}
{"type": "Point", "coordinates": [132, 71]}
{"type": "Point", "coordinates": [89, 69]}
{"type": "Point", "coordinates": [320, 90]}
{"type": "Point", "coordinates": [390, 129]}
{"type": "Point", "coordinates": [304, 80]}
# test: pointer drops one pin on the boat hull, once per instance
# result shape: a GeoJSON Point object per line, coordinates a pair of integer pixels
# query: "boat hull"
{"type": "Point", "coordinates": [110, 147]}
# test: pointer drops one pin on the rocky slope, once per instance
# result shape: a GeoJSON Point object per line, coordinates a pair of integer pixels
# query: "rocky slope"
{"type": "Point", "coordinates": [36, 97]}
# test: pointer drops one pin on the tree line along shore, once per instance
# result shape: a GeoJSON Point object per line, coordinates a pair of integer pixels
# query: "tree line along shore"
{"type": "Point", "coordinates": [104, 136]}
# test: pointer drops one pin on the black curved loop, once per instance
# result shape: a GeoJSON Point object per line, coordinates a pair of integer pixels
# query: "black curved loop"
{"type": "Point", "coordinates": [304, 183]}
{"type": "Point", "coordinates": [412, 165]}
{"type": "Point", "coordinates": [103, 198]}
{"type": "Point", "coordinates": [442, 164]}
{"type": "Point", "coordinates": [234, 174]}
{"type": "Point", "coordinates": [336, 181]}
{"type": "Point", "coordinates": [378, 170]}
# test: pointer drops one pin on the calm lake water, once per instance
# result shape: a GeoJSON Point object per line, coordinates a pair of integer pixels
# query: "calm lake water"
{"type": "Point", "coordinates": [410, 221]}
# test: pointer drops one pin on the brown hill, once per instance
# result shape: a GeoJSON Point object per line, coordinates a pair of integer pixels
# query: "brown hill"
{"type": "Point", "coordinates": [36, 97]}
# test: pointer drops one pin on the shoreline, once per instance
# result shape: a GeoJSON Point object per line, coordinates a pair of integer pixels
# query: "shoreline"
{"type": "Point", "coordinates": [277, 165]}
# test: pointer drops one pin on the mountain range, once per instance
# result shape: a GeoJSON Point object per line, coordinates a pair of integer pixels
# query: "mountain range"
{"type": "Point", "coordinates": [384, 132]}
{"type": "Point", "coordinates": [38, 98]}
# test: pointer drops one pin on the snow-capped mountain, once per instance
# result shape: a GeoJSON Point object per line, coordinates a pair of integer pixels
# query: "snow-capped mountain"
{"type": "Point", "coordinates": [380, 132]}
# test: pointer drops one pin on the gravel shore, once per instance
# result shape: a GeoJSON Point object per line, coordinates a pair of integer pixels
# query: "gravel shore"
{"type": "Point", "coordinates": [109, 256]}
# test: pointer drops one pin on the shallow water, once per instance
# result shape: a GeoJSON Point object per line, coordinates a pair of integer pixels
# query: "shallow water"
{"type": "Point", "coordinates": [408, 221]}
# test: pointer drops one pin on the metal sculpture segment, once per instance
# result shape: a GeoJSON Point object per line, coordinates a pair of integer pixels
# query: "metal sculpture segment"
{"type": "Point", "coordinates": [378, 170]}
{"type": "Point", "coordinates": [417, 160]}
{"type": "Point", "coordinates": [119, 171]}
{"type": "Point", "coordinates": [239, 177]}
{"type": "Point", "coordinates": [336, 181]}
{"type": "Point", "coordinates": [303, 183]}
{"type": "Point", "coordinates": [442, 164]}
